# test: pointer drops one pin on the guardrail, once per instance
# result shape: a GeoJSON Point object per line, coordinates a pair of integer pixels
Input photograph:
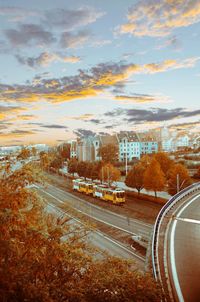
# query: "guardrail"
{"type": "Point", "coordinates": [165, 209]}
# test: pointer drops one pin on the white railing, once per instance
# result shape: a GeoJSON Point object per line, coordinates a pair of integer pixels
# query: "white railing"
{"type": "Point", "coordinates": [165, 209]}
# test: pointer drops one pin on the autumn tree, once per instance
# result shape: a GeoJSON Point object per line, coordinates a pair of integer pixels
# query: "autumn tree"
{"type": "Point", "coordinates": [82, 169]}
{"type": "Point", "coordinates": [64, 151]}
{"type": "Point", "coordinates": [178, 178]}
{"type": "Point", "coordinates": [33, 151]}
{"type": "Point", "coordinates": [135, 177]}
{"type": "Point", "coordinates": [36, 264]}
{"type": "Point", "coordinates": [45, 160]}
{"type": "Point", "coordinates": [109, 173]}
{"type": "Point", "coordinates": [96, 167]}
{"type": "Point", "coordinates": [164, 161]}
{"type": "Point", "coordinates": [24, 154]}
{"type": "Point", "coordinates": [109, 153]}
{"type": "Point", "coordinates": [145, 160]}
{"type": "Point", "coordinates": [154, 178]}
{"type": "Point", "coordinates": [72, 166]}
{"type": "Point", "coordinates": [197, 174]}
{"type": "Point", "coordinates": [57, 162]}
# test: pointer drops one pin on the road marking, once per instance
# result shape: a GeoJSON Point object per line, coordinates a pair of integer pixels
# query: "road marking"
{"type": "Point", "coordinates": [97, 219]}
{"type": "Point", "coordinates": [99, 208]}
{"type": "Point", "coordinates": [172, 252]}
{"type": "Point", "coordinates": [97, 232]}
{"type": "Point", "coordinates": [188, 220]}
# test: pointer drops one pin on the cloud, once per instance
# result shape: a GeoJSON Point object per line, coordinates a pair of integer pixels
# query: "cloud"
{"type": "Point", "coordinates": [16, 14]}
{"type": "Point", "coordinates": [186, 126]}
{"type": "Point", "coordinates": [96, 121]}
{"type": "Point", "coordinates": [172, 41]}
{"type": "Point", "coordinates": [71, 19]}
{"type": "Point", "coordinates": [28, 35]}
{"type": "Point", "coordinates": [69, 40]}
{"type": "Point", "coordinates": [83, 132]}
{"type": "Point", "coordinates": [45, 59]}
{"type": "Point", "coordinates": [54, 126]}
{"type": "Point", "coordinates": [159, 18]}
{"type": "Point", "coordinates": [170, 65]}
{"type": "Point", "coordinates": [141, 98]}
{"type": "Point", "coordinates": [16, 133]}
{"type": "Point", "coordinates": [26, 117]}
{"type": "Point", "coordinates": [87, 83]}
{"type": "Point", "coordinates": [153, 114]}
{"type": "Point", "coordinates": [82, 117]}
{"type": "Point", "coordinates": [6, 110]}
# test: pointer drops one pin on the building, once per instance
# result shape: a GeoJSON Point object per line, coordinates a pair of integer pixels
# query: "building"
{"type": "Point", "coordinates": [148, 143]}
{"type": "Point", "coordinates": [129, 146]}
{"type": "Point", "coordinates": [182, 141]}
{"type": "Point", "coordinates": [88, 147]}
{"type": "Point", "coordinates": [73, 149]}
{"type": "Point", "coordinates": [85, 149]}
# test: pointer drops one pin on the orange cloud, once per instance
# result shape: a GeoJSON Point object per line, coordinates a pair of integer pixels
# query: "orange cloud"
{"type": "Point", "coordinates": [92, 83]}
{"type": "Point", "coordinates": [159, 18]}
{"type": "Point", "coordinates": [142, 98]}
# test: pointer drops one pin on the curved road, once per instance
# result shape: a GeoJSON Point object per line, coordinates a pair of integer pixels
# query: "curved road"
{"type": "Point", "coordinates": [183, 243]}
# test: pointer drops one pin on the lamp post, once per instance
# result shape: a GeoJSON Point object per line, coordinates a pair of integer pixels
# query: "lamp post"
{"type": "Point", "coordinates": [126, 159]}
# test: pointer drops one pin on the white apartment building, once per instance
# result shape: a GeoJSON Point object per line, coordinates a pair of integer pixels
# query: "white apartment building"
{"type": "Point", "coordinates": [73, 149]}
{"type": "Point", "coordinates": [129, 146]}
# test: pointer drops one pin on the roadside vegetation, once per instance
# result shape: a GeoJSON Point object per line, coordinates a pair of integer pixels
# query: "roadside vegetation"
{"type": "Point", "coordinates": [36, 264]}
{"type": "Point", "coordinates": [156, 172]}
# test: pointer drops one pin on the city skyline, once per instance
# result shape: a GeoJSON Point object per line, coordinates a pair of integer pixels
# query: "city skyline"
{"type": "Point", "coordinates": [96, 67]}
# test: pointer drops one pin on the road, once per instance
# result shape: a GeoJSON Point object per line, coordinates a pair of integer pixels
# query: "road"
{"type": "Point", "coordinates": [126, 224]}
{"type": "Point", "coordinates": [100, 240]}
{"type": "Point", "coordinates": [184, 251]}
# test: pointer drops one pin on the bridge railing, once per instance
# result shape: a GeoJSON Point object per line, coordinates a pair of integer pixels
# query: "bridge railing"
{"type": "Point", "coordinates": [165, 209]}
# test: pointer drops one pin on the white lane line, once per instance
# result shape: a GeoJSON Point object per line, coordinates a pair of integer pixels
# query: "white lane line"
{"type": "Point", "coordinates": [121, 246]}
{"type": "Point", "coordinates": [99, 208]}
{"type": "Point", "coordinates": [97, 219]}
{"type": "Point", "coordinates": [172, 252]}
{"type": "Point", "coordinates": [98, 233]}
{"type": "Point", "coordinates": [188, 220]}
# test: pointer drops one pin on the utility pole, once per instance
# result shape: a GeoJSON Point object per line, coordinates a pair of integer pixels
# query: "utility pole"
{"type": "Point", "coordinates": [177, 183]}
{"type": "Point", "coordinates": [108, 176]}
{"type": "Point", "coordinates": [126, 158]}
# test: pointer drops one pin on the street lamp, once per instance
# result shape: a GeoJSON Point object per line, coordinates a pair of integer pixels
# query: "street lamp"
{"type": "Point", "coordinates": [126, 159]}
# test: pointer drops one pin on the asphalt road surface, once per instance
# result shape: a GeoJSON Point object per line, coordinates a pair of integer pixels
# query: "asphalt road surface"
{"type": "Point", "coordinates": [100, 240]}
{"type": "Point", "coordinates": [127, 224]}
{"type": "Point", "coordinates": [184, 251]}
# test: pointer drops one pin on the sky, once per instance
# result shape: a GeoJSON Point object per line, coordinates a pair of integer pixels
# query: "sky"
{"type": "Point", "coordinates": [72, 68]}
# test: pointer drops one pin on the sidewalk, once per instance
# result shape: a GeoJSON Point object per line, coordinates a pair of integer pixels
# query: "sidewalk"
{"type": "Point", "coordinates": [161, 194]}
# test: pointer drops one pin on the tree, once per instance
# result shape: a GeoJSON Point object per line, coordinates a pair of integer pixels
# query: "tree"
{"type": "Point", "coordinates": [96, 167]}
{"type": "Point", "coordinates": [64, 151]}
{"type": "Point", "coordinates": [82, 169]}
{"type": "Point", "coordinates": [38, 265]}
{"type": "Point", "coordinates": [145, 160]}
{"type": "Point", "coordinates": [109, 153]}
{"type": "Point", "coordinates": [34, 151]}
{"type": "Point", "coordinates": [197, 174]}
{"type": "Point", "coordinates": [135, 177]}
{"type": "Point", "coordinates": [24, 154]}
{"type": "Point", "coordinates": [72, 166]}
{"type": "Point", "coordinates": [57, 163]}
{"type": "Point", "coordinates": [178, 179]}
{"type": "Point", "coordinates": [164, 161]}
{"type": "Point", "coordinates": [45, 160]}
{"type": "Point", "coordinates": [109, 173]}
{"type": "Point", "coordinates": [154, 178]}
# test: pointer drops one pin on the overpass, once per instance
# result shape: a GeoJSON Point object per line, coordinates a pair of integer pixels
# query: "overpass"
{"type": "Point", "coordinates": [176, 246]}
